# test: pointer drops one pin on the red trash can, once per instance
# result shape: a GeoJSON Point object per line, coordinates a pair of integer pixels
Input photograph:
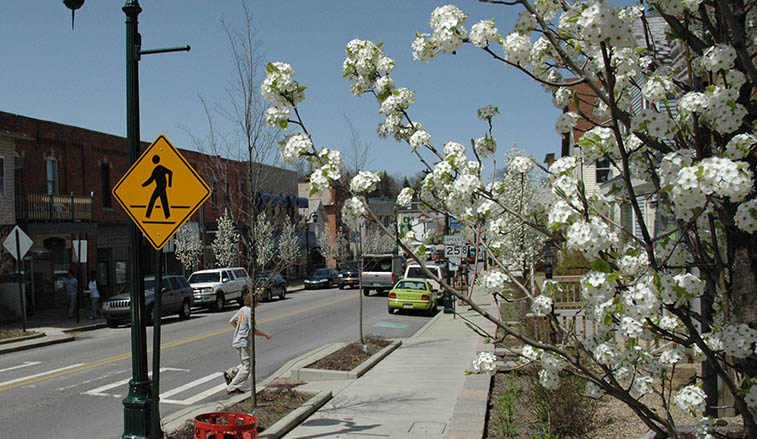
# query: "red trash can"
{"type": "Point", "coordinates": [226, 425]}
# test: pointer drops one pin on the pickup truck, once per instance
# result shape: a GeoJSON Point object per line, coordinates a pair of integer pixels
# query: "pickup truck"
{"type": "Point", "coordinates": [381, 272]}
{"type": "Point", "coordinates": [214, 288]}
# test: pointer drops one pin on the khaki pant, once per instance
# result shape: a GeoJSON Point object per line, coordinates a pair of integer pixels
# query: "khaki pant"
{"type": "Point", "coordinates": [243, 370]}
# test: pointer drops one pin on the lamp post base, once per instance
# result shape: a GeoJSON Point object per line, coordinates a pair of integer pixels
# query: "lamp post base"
{"type": "Point", "coordinates": [138, 411]}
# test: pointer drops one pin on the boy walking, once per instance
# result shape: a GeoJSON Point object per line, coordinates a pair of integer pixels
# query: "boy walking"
{"type": "Point", "coordinates": [242, 322]}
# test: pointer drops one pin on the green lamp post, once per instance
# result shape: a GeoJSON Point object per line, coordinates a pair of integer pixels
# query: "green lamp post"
{"type": "Point", "coordinates": [141, 417]}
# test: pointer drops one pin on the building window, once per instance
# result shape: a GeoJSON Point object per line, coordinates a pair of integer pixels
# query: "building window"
{"type": "Point", "coordinates": [105, 182]}
{"type": "Point", "coordinates": [52, 176]}
{"type": "Point", "coordinates": [603, 170]}
{"type": "Point", "coordinates": [2, 176]}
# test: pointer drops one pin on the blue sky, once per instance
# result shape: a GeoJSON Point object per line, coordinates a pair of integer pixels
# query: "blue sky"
{"type": "Point", "coordinates": [77, 77]}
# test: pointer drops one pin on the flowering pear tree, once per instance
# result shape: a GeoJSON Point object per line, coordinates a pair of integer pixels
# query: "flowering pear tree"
{"type": "Point", "coordinates": [188, 247]}
{"type": "Point", "coordinates": [226, 244]}
{"type": "Point", "coordinates": [289, 245]}
{"type": "Point", "coordinates": [263, 240]}
{"type": "Point", "coordinates": [692, 144]}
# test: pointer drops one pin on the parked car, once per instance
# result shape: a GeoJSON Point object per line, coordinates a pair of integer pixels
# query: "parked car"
{"type": "Point", "coordinates": [322, 278]}
{"type": "Point", "coordinates": [415, 271]}
{"type": "Point", "coordinates": [439, 255]}
{"type": "Point", "coordinates": [269, 284]}
{"type": "Point", "coordinates": [412, 294]}
{"type": "Point", "coordinates": [176, 297]}
{"type": "Point", "coordinates": [216, 287]}
{"type": "Point", "coordinates": [381, 272]}
{"type": "Point", "coordinates": [348, 278]}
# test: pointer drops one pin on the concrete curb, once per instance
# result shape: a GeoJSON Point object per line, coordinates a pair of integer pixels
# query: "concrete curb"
{"type": "Point", "coordinates": [307, 374]}
{"type": "Point", "coordinates": [22, 338]}
{"type": "Point", "coordinates": [85, 328]}
{"type": "Point", "coordinates": [43, 341]}
{"type": "Point", "coordinates": [295, 418]}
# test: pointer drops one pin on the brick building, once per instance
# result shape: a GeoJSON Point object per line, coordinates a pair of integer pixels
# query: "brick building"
{"type": "Point", "coordinates": [56, 183]}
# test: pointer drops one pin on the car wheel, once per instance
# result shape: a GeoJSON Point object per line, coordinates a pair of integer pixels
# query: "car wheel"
{"type": "Point", "coordinates": [366, 292]}
{"type": "Point", "coordinates": [341, 286]}
{"type": "Point", "coordinates": [185, 310]}
{"type": "Point", "coordinates": [390, 309]}
{"type": "Point", "coordinates": [219, 304]}
{"type": "Point", "coordinates": [283, 293]}
{"type": "Point", "coordinates": [111, 323]}
{"type": "Point", "coordinates": [268, 296]}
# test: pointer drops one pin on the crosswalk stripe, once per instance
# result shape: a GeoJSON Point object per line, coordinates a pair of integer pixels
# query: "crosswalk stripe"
{"type": "Point", "coordinates": [20, 366]}
{"type": "Point", "coordinates": [32, 377]}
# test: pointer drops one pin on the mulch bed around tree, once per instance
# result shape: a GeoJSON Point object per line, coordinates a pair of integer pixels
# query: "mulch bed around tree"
{"type": "Point", "coordinates": [273, 404]}
{"type": "Point", "coordinates": [13, 333]}
{"type": "Point", "coordinates": [351, 356]}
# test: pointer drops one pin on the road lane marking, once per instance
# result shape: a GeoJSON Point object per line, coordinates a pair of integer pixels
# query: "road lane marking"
{"type": "Point", "coordinates": [52, 373]}
{"type": "Point", "coordinates": [200, 396]}
{"type": "Point", "coordinates": [100, 391]}
{"type": "Point", "coordinates": [82, 367]}
{"type": "Point", "coordinates": [25, 364]}
{"type": "Point", "coordinates": [197, 397]}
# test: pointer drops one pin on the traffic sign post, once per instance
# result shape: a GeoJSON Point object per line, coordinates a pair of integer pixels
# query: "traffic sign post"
{"type": "Point", "coordinates": [453, 248]}
{"type": "Point", "coordinates": [18, 243]}
{"type": "Point", "coordinates": [161, 191]}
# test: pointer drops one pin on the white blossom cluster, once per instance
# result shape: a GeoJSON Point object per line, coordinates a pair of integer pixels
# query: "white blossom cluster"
{"type": "Point", "coordinates": [690, 398]}
{"type": "Point", "coordinates": [294, 147]}
{"type": "Point", "coordinates": [353, 213]}
{"type": "Point", "coordinates": [364, 181]}
{"type": "Point", "coordinates": [282, 91]}
{"type": "Point", "coordinates": [485, 362]}
{"type": "Point", "coordinates": [542, 305]}
{"type": "Point", "coordinates": [405, 197]}
{"type": "Point", "coordinates": [448, 32]}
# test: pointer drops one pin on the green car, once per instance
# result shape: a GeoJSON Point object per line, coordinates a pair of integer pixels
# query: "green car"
{"type": "Point", "coordinates": [412, 294]}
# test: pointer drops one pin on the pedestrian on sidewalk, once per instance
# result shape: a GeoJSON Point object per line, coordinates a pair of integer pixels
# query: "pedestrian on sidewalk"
{"type": "Point", "coordinates": [242, 322]}
{"type": "Point", "coordinates": [70, 287]}
{"type": "Point", "coordinates": [94, 296]}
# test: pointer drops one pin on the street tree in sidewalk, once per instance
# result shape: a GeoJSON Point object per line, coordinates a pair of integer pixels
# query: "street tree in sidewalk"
{"type": "Point", "coordinates": [334, 246]}
{"type": "Point", "coordinates": [289, 251]}
{"type": "Point", "coordinates": [188, 247]}
{"type": "Point", "coordinates": [226, 243]}
{"type": "Point", "coordinates": [694, 144]}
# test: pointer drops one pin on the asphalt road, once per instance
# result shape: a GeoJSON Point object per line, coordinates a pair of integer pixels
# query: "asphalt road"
{"type": "Point", "coordinates": [75, 390]}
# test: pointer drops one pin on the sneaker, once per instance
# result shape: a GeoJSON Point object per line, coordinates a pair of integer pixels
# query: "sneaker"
{"type": "Point", "coordinates": [231, 392]}
{"type": "Point", "coordinates": [227, 377]}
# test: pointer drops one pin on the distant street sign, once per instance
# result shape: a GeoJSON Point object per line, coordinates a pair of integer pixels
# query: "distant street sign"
{"type": "Point", "coordinates": [160, 191]}
{"type": "Point", "coordinates": [24, 243]}
{"type": "Point", "coordinates": [455, 224]}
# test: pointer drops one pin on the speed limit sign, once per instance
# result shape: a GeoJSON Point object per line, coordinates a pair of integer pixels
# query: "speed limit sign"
{"type": "Point", "coordinates": [453, 248]}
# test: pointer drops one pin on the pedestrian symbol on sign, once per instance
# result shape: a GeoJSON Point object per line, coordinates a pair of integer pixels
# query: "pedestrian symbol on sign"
{"type": "Point", "coordinates": [158, 176]}
{"type": "Point", "coordinates": [161, 179]}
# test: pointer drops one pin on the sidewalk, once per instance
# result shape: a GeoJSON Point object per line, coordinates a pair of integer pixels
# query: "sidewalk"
{"type": "Point", "coordinates": [421, 390]}
{"type": "Point", "coordinates": [54, 327]}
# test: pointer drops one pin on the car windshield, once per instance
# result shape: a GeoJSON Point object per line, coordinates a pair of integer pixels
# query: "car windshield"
{"type": "Point", "coordinates": [349, 266]}
{"type": "Point", "coordinates": [198, 278]}
{"type": "Point", "coordinates": [411, 285]}
{"type": "Point", "coordinates": [263, 275]}
{"type": "Point", "coordinates": [321, 272]}
{"type": "Point", "coordinates": [418, 272]}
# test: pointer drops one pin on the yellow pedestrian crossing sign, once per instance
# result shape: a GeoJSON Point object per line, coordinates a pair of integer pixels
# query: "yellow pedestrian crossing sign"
{"type": "Point", "coordinates": [160, 191]}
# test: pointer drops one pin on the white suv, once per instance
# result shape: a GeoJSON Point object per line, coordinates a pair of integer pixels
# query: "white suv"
{"type": "Point", "coordinates": [214, 288]}
{"type": "Point", "coordinates": [415, 271]}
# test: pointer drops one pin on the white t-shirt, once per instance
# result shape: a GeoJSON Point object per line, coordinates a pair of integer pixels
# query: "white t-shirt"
{"type": "Point", "coordinates": [92, 286]}
{"type": "Point", "coordinates": [243, 317]}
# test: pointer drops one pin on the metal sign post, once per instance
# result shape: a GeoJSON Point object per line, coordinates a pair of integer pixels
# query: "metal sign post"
{"type": "Point", "coordinates": [18, 243]}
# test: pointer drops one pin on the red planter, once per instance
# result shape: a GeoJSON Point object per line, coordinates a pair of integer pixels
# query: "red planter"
{"type": "Point", "coordinates": [225, 425]}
